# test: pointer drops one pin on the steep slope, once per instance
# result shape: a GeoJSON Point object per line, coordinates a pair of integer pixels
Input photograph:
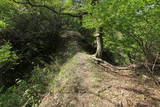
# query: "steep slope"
{"type": "Point", "coordinates": [83, 83]}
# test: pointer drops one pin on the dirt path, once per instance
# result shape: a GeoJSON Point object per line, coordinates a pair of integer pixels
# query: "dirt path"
{"type": "Point", "coordinates": [82, 83]}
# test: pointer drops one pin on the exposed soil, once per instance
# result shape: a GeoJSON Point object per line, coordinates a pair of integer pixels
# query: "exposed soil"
{"type": "Point", "coordinates": [83, 83]}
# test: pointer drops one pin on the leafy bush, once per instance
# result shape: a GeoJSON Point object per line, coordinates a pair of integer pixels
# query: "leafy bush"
{"type": "Point", "coordinates": [27, 92]}
{"type": "Point", "coordinates": [6, 54]}
{"type": "Point", "coordinates": [2, 25]}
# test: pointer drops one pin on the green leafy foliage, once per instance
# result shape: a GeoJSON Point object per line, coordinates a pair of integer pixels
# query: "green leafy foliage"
{"type": "Point", "coordinates": [27, 92]}
{"type": "Point", "coordinates": [6, 54]}
{"type": "Point", "coordinates": [7, 9]}
{"type": "Point", "coordinates": [2, 25]}
{"type": "Point", "coordinates": [137, 22]}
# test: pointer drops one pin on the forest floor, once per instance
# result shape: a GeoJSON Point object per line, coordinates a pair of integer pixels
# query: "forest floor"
{"type": "Point", "coordinates": [83, 83]}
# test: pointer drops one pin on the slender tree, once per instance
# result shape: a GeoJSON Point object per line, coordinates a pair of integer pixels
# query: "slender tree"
{"type": "Point", "coordinates": [99, 39]}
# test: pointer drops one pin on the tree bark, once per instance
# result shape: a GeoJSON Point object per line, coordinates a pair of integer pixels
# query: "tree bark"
{"type": "Point", "coordinates": [99, 40]}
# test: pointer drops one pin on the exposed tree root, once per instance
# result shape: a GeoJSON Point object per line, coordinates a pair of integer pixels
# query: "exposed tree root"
{"type": "Point", "coordinates": [128, 67]}
{"type": "Point", "coordinates": [113, 68]}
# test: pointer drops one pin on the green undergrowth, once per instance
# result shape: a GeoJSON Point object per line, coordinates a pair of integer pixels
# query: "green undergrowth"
{"type": "Point", "coordinates": [68, 78]}
{"type": "Point", "coordinates": [66, 74]}
{"type": "Point", "coordinates": [28, 92]}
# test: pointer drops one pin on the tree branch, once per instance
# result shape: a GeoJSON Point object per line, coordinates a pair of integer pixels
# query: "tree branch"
{"type": "Point", "coordinates": [78, 15]}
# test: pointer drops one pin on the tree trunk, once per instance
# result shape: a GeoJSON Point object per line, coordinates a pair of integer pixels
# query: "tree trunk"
{"type": "Point", "coordinates": [99, 40]}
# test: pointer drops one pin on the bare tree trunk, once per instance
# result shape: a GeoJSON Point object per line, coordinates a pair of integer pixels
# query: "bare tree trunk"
{"type": "Point", "coordinates": [81, 20]}
{"type": "Point", "coordinates": [99, 40]}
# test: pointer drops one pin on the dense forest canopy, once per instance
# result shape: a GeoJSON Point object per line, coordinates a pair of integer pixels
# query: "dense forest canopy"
{"type": "Point", "coordinates": [124, 31]}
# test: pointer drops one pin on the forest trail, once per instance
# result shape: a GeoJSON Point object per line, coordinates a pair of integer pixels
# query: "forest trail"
{"type": "Point", "coordinates": [83, 83]}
